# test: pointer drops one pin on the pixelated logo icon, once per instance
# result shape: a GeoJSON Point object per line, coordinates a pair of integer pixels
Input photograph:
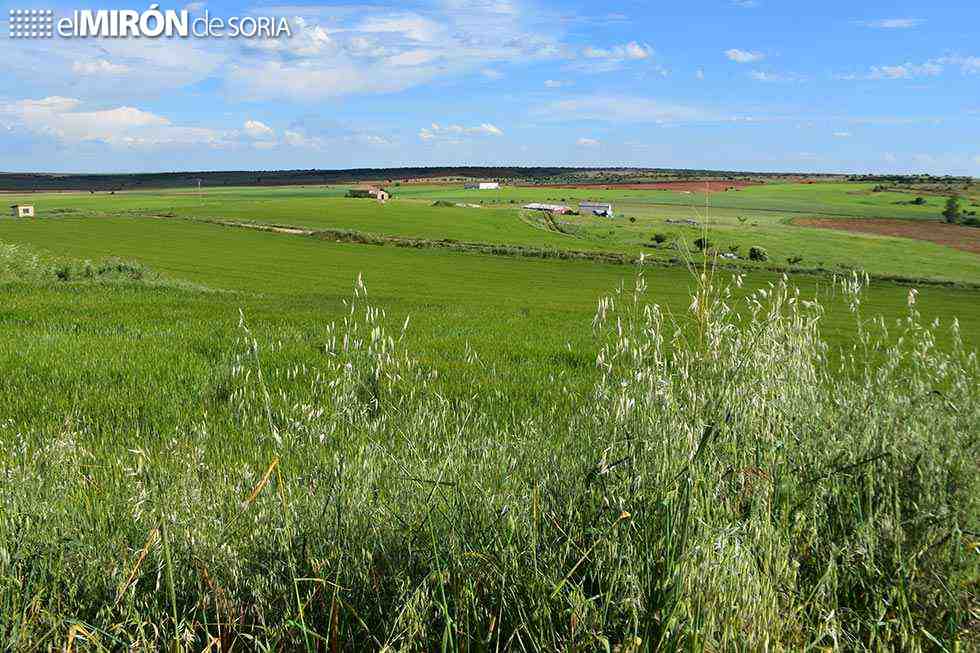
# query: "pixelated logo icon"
{"type": "Point", "coordinates": [150, 23]}
{"type": "Point", "coordinates": [31, 23]}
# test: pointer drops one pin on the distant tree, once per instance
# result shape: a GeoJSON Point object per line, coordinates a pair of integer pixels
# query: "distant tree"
{"type": "Point", "coordinates": [757, 253]}
{"type": "Point", "coordinates": [702, 243]}
{"type": "Point", "coordinates": [919, 201]}
{"type": "Point", "coordinates": [952, 211]}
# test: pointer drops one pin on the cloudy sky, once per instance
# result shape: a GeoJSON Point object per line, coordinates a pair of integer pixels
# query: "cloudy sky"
{"type": "Point", "coordinates": [726, 84]}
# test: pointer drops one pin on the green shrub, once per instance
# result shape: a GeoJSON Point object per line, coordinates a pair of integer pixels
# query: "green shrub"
{"type": "Point", "coordinates": [757, 253]}
{"type": "Point", "coordinates": [659, 238]}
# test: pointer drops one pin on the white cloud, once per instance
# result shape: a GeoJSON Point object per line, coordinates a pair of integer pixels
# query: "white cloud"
{"type": "Point", "coordinates": [744, 56]}
{"type": "Point", "coordinates": [359, 50]}
{"type": "Point", "coordinates": [340, 137]}
{"type": "Point", "coordinates": [409, 25]}
{"type": "Point", "coordinates": [764, 76]}
{"type": "Point", "coordinates": [893, 23]}
{"type": "Point", "coordinates": [745, 4]}
{"type": "Point", "coordinates": [968, 65]}
{"type": "Point", "coordinates": [435, 131]}
{"type": "Point", "coordinates": [373, 139]}
{"type": "Point", "coordinates": [60, 118]}
{"type": "Point", "coordinates": [259, 130]}
{"type": "Point", "coordinates": [631, 50]}
{"type": "Point", "coordinates": [842, 134]}
{"type": "Point", "coordinates": [113, 70]}
{"type": "Point", "coordinates": [587, 142]}
{"type": "Point", "coordinates": [557, 83]}
{"type": "Point", "coordinates": [622, 109]}
{"type": "Point", "coordinates": [699, 73]}
{"type": "Point", "coordinates": [296, 139]}
{"type": "Point", "coordinates": [99, 67]}
{"type": "Point", "coordinates": [490, 73]}
{"type": "Point", "coordinates": [905, 71]}
{"type": "Point", "coordinates": [412, 58]}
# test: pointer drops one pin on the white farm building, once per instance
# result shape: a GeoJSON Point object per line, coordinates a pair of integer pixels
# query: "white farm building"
{"type": "Point", "coordinates": [22, 210]}
{"type": "Point", "coordinates": [482, 185]}
{"type": "Point", "coordinates": [596, 208]}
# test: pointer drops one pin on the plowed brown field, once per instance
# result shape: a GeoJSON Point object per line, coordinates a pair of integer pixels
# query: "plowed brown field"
{"type": "Point", "coordinates": [950, 235]}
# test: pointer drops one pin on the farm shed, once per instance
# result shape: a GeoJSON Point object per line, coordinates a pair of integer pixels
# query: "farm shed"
{"type": "Point", "coordinates": [553, 208]}
{"type": "Point", "coordinates": [596, 208]}
{"type": "Point", "coordinates": [22, 210]}
{"type": "Point", "coordinates": [379, 194]}
{"type": "Point", "coordinates": [483, 185]}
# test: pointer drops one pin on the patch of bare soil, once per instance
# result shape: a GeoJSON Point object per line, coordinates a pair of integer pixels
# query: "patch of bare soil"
{"type": "Point", "coordinates": [941, 233]}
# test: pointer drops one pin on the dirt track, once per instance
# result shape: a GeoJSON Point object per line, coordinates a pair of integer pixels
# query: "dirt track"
{"type": "Point", "coordinates": [950, 235]}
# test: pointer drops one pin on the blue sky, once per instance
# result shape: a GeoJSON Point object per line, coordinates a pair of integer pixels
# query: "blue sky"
{"type": "Point", "coordinates": [724, 84]}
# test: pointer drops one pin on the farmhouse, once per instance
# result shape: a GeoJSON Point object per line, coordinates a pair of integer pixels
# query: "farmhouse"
{"type": "Point", "coordinates": [483, 185]}
{"type": "Point", "coordinates": [22, 210]}
{"type": "Point", "coordinates": [379, 194]}
{"type": "Point", "coordinates": [553, 208]}
{"type": "Point", "coordinates": [596, 208]}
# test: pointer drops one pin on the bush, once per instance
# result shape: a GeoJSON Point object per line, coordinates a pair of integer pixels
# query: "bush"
{"type": "Point", "coordinates": [793, 260]}
{"type": "Point", "coordinates": [757, 253]}
{"type": "Point", "coordinates": [115, 267]}
{"type": "Point", "coordinates": [952, 213]}
{"type": "Point", "coordinates": [702, 243]}
{"type": "Point", "coordinates": [659, 238]}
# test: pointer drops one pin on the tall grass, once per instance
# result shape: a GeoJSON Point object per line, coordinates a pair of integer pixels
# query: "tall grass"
{"type": "Point", "coordinates": [729, 483]}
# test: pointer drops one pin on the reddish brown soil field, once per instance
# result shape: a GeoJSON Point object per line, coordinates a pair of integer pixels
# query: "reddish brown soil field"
{"type": "Point", "coordinates": [950, 235]}
{"type": "Point", "coordinates": [697, 186]}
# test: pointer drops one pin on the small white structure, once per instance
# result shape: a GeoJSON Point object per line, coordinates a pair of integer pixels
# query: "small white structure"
{"type": "Point", "coordinates": [596, 208]}
{"type": "Point", "coordinates": [22, 210]}
{"type": "Point", "coordinates": [553, 208]}
{"type": "Point", "coordinates": [483, 185]}
{"type": "Point", "coordinates": [379, 194]}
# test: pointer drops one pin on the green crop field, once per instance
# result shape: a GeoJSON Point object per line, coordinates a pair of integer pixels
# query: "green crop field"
{"type": "Point", "coordinates": [219, 436]}
{"type": "Point", "coordinates": [734, 221]}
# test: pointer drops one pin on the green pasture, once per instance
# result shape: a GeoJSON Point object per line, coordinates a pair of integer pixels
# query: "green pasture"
{"type": "Point", "coordinates": [820, 199]}
{"type": "Point", "coordinates": [735, 221]}
{"type": "Point", "coordinates": [210, 445]}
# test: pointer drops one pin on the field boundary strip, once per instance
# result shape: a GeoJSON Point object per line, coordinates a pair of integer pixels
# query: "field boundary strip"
{"type": "Point", "coordinates": [522, 251]}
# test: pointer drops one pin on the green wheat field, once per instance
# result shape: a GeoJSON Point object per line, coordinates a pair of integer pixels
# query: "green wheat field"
{"type": "Point", "coordinates": [281, 419]}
